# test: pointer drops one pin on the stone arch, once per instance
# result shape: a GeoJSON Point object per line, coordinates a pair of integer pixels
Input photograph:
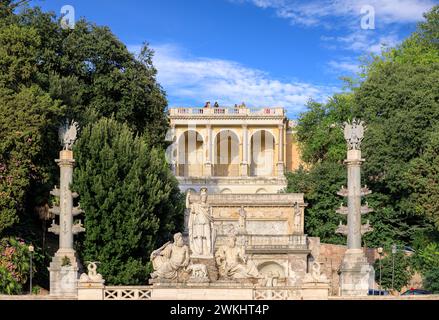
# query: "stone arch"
{"type": "Point", "coordinates": [266, 130]}
{"type": "Point", "coordinates": [261, 190]}
{"type": "Point", "coordinates": [190, 153]}
{"type": "Point", "coordinates": [262, 153]}
{"type": "Point", "coordinates": [226, 153]}
{"type": "Point", "coordinates": [226, 191]}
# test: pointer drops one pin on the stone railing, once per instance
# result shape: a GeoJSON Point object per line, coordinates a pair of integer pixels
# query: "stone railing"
{"type": "Point", "coordinates": [276, 241]}
{"type": "Point", "coordinates": [127, 293]}
{"type": "Point", "coordinates": [282, 293]}
{"type": "Point", "coordinates": [209, 291]}
{"type": "Point", "coordinates": [244, 199]}
{"type": "Point", "coordinates": [221, 111]}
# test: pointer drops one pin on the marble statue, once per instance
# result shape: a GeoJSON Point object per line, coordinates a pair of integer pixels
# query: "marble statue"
{"type": "Point", "coordinates": [200, 226]}
{"type": "Point", "coordinates": [316, 274]}
{"type": "Point", "coordinates": [92, 275]}
{"type": "Point", "coordinates": [199, 273]}
{"type": "Point", "coordinates": [269, 279]}
{"type": "Point", "coordinates": [67, 134]}
{"type": "Point", "coordinates": [170, 258]}
{"type": "Point", "coordinates": [198, 270]}
{"type": "Point", "coordinates": [354, 133]}
{"type": "Point", "coordinates": [233, 263]}
{"type": "Point", "coordinates": [297, 217]}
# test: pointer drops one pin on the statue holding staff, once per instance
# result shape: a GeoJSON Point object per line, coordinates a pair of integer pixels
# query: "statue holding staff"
{"type": "Point", "coordinates": [199, 223]}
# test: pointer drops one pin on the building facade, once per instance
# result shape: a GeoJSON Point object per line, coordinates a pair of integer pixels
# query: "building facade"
{"type": "Point", "coordinates": [232, 150]}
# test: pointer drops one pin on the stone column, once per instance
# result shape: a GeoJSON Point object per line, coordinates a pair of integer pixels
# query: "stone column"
{"type": "Point", "coordinates": [244, 163]}
{"type": "Point", "coordinates": [64, 266]}
{"type": "Point", "coordinates": [66, 163]}
{"type": "Point", "coordinates": [280, 161]}
{"type": "Point", "coordinates": [356, 273]}
{"type": "Point", "coordinates": [208, 167]}
{"type": "Point", "coordinates": [173, 150]}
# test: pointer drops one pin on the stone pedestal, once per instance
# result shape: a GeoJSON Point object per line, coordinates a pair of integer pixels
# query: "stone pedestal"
{"type": "Point", "coordinates": [91, 285]}
{"type": "Point", "coordinates": [356, 274]}
{"type": "Point", "coordinates": [212, 270]}
{"type": "Point", "coordinates": [315, 291]}
{"type": "Point", "coordinates": [91, 291]}
{"type": "Point", "coordinates": [64, 273]}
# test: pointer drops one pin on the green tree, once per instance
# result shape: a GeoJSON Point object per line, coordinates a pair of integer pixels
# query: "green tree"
{"type": "Point", "coordinates": [129, 196]}
{"type": "Point", "coordinates": [24, 118]}
{"type": "Point", "coordinates": [426, 258]}
{"type": "Point", "coordinates": [396, 266]}
{"type": "Point", "coordinates": [95, 75]}
{"type": "Point", "coordinates": [48, 74]}
{"type": "Point", "coordinates": [87, 72]}
{"type": "Point", "coordinates": [318, 129]}
{"type": "Point", "coordinates": [398, 98]}
{"type": "Point", "coordinates": [320, 186]}
{"type": "Point", "coordinates": [431, 280]}
{"type": "Point", "coordinates": [423, 179]}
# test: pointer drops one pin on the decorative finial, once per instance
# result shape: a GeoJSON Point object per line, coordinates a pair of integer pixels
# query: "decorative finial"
{"type": "Point", "coordinates": [67, 134]}
{"type": "Point", "coordinates": [354, 133]}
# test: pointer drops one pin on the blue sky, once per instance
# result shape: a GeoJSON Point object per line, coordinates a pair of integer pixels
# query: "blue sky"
{"type": "Point", "coordinates": [261, 52]}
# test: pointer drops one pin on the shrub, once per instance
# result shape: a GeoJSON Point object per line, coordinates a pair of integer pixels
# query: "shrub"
{"type": "Point", "coordinates": [14, 265]}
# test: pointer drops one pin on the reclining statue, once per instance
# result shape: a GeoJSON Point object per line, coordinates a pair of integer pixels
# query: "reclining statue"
{"type": "Point", "coordinates": [169, 259]}
{"type": "Point", "coordinates": [233, 263]}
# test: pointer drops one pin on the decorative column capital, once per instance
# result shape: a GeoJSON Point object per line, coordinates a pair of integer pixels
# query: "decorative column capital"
{"type": "Point", "coordinates": [354, 133]}
{"type": "Point", "coordinates": [65, 162]}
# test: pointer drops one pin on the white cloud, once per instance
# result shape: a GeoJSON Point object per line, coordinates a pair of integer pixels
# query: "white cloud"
{"type": "Point", "coordinates": [389, 16]}
{"type": "Point", "coordinates": [228, 82]}
{"type": "Point", "coordinates": [315, 12]}
{"type": "Point", "coordinates": [344, 65]}
{"type": "Point", "coordinates": [363, 41]}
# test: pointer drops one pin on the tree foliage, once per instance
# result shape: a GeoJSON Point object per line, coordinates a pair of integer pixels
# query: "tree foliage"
{"type": "Point", "coordinates": [398, 98]}
{"type": "Point", "coordinates": [49, 74]}
{"type": "Point", "coordinates": [129, 197]}
{"type": "Point", "coordinates": [395, 271]}
{"type": "Point", "coordinates": [431, 280]}
{"type": "Point", "coordinates": [320, 186]}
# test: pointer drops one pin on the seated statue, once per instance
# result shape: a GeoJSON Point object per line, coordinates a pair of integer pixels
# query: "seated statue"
{"type": "Point", "coordinates": [170, 258]}
{"type": "Point", "coordinates": [233, 263]}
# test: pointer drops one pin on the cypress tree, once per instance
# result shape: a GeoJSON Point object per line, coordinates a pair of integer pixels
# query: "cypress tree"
{"type": "Point", "coordinates": [130, 199]}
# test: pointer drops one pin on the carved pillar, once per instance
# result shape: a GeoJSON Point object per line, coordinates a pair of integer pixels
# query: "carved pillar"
{"type": "Point", "coordinates": [353, 163]}
{"type": "Point", "coordinates": [280, 146]}
{"type": "Point", "coordinates": [66, 163]}
{"type": "Point", "coordinates": [64, 266]}
{"type": "Point", "coordinates": [208, 166]}
{"type": "Point", "coordinates": [244, 163]}
{"type": "Point", "coordinates": [357, 275]}
{"type": "Point", "coordinates": [173, 151]}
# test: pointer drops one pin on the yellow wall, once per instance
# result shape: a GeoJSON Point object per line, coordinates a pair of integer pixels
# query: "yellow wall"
{"type": "Point", "coordinates": [293, 153]}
